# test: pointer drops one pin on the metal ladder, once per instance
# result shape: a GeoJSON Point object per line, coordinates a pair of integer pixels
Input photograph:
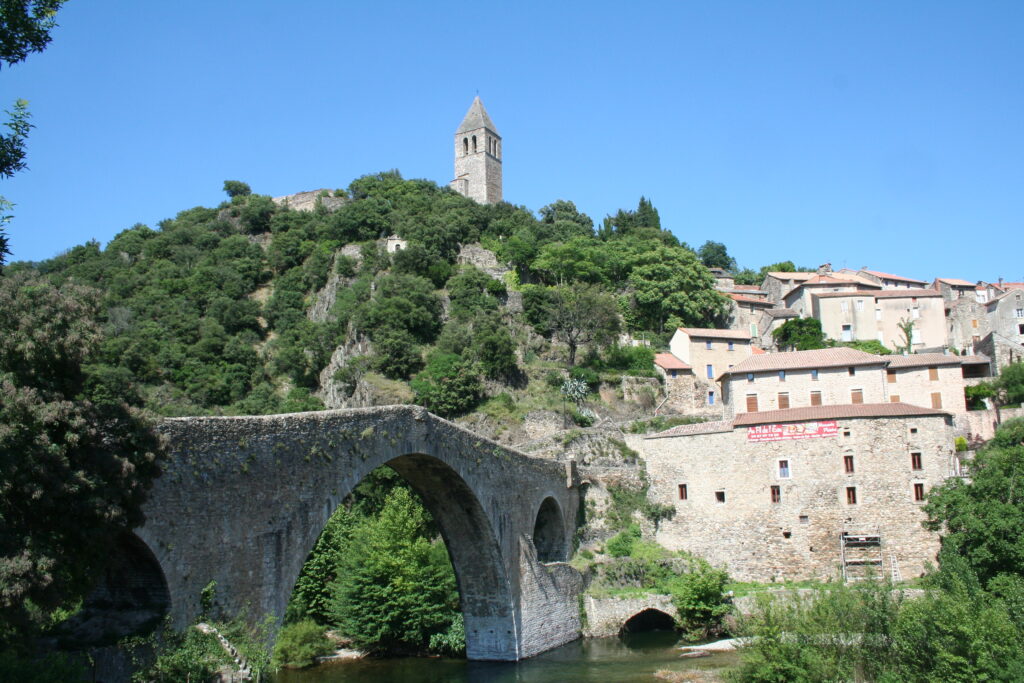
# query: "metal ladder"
{"type": "Point", "coordinates": [896, 575]}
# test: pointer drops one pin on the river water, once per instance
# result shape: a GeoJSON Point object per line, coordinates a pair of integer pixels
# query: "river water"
{"type": "Point", "coordinates": [632, 657]}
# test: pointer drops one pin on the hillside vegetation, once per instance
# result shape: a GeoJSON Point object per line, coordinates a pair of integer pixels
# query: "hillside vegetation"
{"type": "Point", "coordinates": [239, 309]}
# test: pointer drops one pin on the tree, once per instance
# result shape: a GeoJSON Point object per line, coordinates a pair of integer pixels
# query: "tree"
{"type": "Point", "coordinates": [906, 326]}
{"type": "Point", "coordinates": [1010, 384]}
{"type": "Point", "coordinates": [75, 460]}
{"type": "Point", "coordinates": [25, 27]}
{"type": "Point", "coordinates": [236, 188]}
{"type": "Point", "coordinates": [800, 334]}
{"type": "Point", "coordinates": [715, 255]}
{"type": "Point", "coordinates": [982, 519]}
{"type": "Point", "coordinates": [670, 282]}
{"type": "Point", "coordinates": [582, 314]}
{"type": "Point", "coordinates": [394, 588]}
{"type": "Point", "coordinates": [449, 385]}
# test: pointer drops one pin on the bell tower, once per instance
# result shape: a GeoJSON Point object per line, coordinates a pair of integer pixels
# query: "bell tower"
{"type": "Point", "coordinates": [478, 156]}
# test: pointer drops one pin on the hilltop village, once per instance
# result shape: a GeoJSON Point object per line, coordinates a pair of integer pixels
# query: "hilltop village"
{"type": "Point", "coordinates": [710, 423]}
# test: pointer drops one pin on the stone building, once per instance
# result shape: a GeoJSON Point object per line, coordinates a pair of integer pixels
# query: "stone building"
{"type": "Point", "coordinates": [771, 320]}
{"type": "Point", "coordinates": [781, 494]}
{"type": "Point", "coordinates": [777, 285]}
{"type": "Point", "coordinates": [478, 154]}
{"type": "Point", "coordinates": [685, 393]}
{"type": "Point", "coordinates": [932, 380]}
{"type": "Point", "coordinates": [953, 289]}
{"type": "Point", "coordinates": [798, 379]}
{"type": "Point", "coordinates": [876, 315]}
{"type": "Point", "coordinates": [885, 280]}
{"type": "Point", "coordinates": [801, 297]}
{"type": "Point", "coordinates": [967, 323]}
{"type": "Point", "coordinates": [746, 312]}
{"type": "Point", "coordinates": [1005, 315]}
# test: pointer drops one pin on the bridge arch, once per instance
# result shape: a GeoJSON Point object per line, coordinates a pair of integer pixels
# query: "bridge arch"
{"type": "Point", "coordinates": [549, 536]}
{"type": "Point", "coordinates": [650, 619]}
{"type": "Point", "coordinates": [243, 500]}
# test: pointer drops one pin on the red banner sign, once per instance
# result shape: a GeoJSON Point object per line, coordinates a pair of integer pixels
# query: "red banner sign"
{"type": "Point", "coordinates": [788, 432]}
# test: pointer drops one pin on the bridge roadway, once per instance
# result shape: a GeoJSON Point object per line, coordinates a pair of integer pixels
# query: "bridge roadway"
{"type": "Point", "coordinates": [243, 500]}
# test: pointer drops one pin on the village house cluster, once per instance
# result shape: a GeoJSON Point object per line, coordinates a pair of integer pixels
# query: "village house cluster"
{"type": "Point", "coordinates": [815, 464]}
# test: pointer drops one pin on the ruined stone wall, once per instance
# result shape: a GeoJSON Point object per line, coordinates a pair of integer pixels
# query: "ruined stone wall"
{"type": "Point", "coordinates": [798, 538]}
{"type": "Point", "coordinates": [688, 395]}
{"type": "Point", "coordinates": [981, 425]}
{"type": "Point", "coordinates": [966, 323]}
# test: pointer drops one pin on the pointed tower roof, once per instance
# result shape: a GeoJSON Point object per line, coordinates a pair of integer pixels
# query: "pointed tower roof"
{"type": "Point", "coordinates": [476, 118]}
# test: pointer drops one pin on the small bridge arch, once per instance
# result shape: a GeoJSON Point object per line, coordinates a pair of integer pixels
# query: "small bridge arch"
{"type": "Point", "coordinates": [243, 500]}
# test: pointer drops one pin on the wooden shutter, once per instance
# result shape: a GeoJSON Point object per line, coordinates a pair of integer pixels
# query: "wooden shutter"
{"type": "Point", "coordinates": [857, 396]}
{"type": "Point", "coordinates": [936, 400]}
{"type": "Point", "coordinates": [815, 398]}
{"type": "Point", "coordinates": [783, 400]}
{"type": "Point", "coordinates": [751, 403]}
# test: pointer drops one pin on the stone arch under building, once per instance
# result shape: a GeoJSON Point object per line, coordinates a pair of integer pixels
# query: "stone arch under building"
{"type": "Point", "coordinates": [650, 619]}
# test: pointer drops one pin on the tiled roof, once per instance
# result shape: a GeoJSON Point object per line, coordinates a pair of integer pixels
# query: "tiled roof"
{"type": "Point", "coordinates": [1013, 285]}
{"type": "Point", "coordinates": [792, 276]}
{"type": "Point", "coordinates": [757, 350]}
{"type": "Point", "coordinates": [841, 356]}
{"type": "Point", "coordinates": [977, 359]}
{"type": "Point", "coordinates": [884, 293]}
{"type": "Point", "coordinates": [890, 276]}
{"type": "Point", "coordinates": [782, 313]}
{"type": "Point", "coordinates": [670, 362]}
{"type": "Point", "coordinates": [750, 300]}
{"type": "Point", "coordinates": [915, 360]}
{"type": "Point", "coordinates": [704, 333]}
{"type": "Point", "coordinates": [833, 413]}
{"type": "Point", "coordinates": [697, 428]}
{"type": "Point", "coordinates": [955, 282]}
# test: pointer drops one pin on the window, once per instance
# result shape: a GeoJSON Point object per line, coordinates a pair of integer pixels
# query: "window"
{"type": "Point", "coordinates": [913, 430]}
{"type": "Point", "coordinates": [783, 400]}
{"type": "Point", "coordinates": [750, 377]}
{"type": "Point", "coordinates": [707, 345]}
{"type": "Point", "coordinates": [847, 333]}
{"type": "Point", "coordinates": [851, 495]}
{"type": "Point", "coordinates": [782, 375]}
{"type": "Point", "coordinates": [751, 403]}
{"type": "Point", "coordinates": [851, 371]}
{"type": "Point", "coordinates": [1020, 329]}
{"type": "Point", "coordinates": [846, 433]}
{"type": "Point", "coordinates": [674, 374]}
{"type": "Point", "coordinates": [783, 469]}
{"type": "Point", "coordinates": [776, 494]}
{"type": "Point", "coordinates": [933, 373]}
{"type": "Point", "coordinates": [682, 492]}
{"type": "Point", "coordinates": [711, 371]}
{"type": "Point", "coordinates": [815, 398]}
{"type": "Point", "coordinates": [974, 324]}
{"type": "Point", "coordinates": [844, 306]}
{"type": "Point", "coordinates": [918, 492]}
{"type": "Point", "coordinates": [858, 305]}
{"type": "Point", "coordinates": [711, 398]}
{"type": "Point", "coordinates": [915, 461]}
{"type": "Point", "coordinates": [732, 346]}
{"type": "Point", "coordinates": [474, 144]}
{"type": "Point", "coordinates": [915, 336]}
{"type": "Point", "coordinates": [915, 313]}
{"type": "Point", "coordinates": [890, 375]}
{"type": "Point", "coordinates": [936, 400]}
{"type": "Point", "coordinates": [719, 496]}
{"type": "Point", "coordinates": [848, 464]}
{"type": "Point", "coordinates": [857, 396]}
{"type": "Point", "coordinates": [1019, 313]}
{"type": "Point", "coordinates": [465, 145]}
{"type": "Point", "coordinates": [814, 375]}
{"type": "Point", "coordinates": [878, 314]}
{"type": "Point", "coordinates": [804, 519]}
{"type": "Point", "coordinates": [894, 398]}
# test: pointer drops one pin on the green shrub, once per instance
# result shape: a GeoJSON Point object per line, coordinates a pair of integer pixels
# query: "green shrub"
{"type": "Point", "coordinates": [961, 444]}
{"type": "Point", "coordinates": [448, 386]}
{"type": "Point", "coordinates": [698, 596]}
{"type": "Point", "coordinates": [621, 544]}
{"type": "Point", "coordinates": [300, 644]}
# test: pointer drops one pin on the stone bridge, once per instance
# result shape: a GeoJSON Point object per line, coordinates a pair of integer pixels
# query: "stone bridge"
{"type": "Point", "coordinates": [244, 499]}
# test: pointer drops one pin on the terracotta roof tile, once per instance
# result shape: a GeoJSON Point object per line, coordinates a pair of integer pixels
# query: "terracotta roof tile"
{"type": "Point", "coordinates": [890, 276]}
{"type": "Point", "coordinates": [884, 293]}
{"type": "Point", "coordinates": [708, 333]}
{"type": "Point", "coordinates": [834, 413]}
{"type": "Point", "coordinates": [757, 350]}
{"type": "Point", "coordinates": [955, 282]}
{"type": "Point", "coordinates": [976, 359]}
{"type": "Point", "coordinates": [792, 276]}
{"type": "Point", "coordinates": [750, 300]}
{"type": "Point", "coordinates": [670, 362]}
{"type": "Point", "coordinates": [841, 356]}
{"type": "Point", "coordinates": [916, 360]}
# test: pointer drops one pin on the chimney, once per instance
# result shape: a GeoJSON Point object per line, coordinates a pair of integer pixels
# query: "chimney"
{"type": "Point", "coordinates": [824, 269]}
{"type": "Point", "coordinates": [1000, 283]}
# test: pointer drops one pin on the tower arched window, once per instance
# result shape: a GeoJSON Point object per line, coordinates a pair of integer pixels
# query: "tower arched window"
{"type": "Point", "coordinates": [465, 145]}
{"type": "Point", "coordinates": [474, 144]}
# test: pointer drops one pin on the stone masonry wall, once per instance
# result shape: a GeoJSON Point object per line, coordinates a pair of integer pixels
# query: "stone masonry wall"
{"type": "Point", "coordinates": [835, 384]}
{"type": "Point", "coordinates": [798, 537]}
{"type": "Point", "coordinates": [243, 500]}
{"type": "Point", "coordinates": [605, 616]}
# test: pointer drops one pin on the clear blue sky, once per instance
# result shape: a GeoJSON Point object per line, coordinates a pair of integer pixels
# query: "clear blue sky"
{"type": "Point", "coordinates": [885, 134]}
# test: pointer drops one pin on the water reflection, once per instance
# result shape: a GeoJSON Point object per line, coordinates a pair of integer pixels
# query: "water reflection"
{"type": "Point", "coordinates": [631, 657]}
